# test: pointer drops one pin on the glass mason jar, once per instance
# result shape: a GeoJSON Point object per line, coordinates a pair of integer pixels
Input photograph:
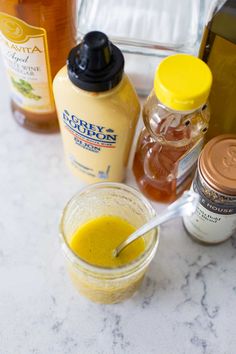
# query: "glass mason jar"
{"type": "Point", "coordinates": [99, 284]}
{"type": "Point", "coordinates": [176, 118]}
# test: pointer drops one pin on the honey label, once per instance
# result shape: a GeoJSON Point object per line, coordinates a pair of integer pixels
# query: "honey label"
{"type": "Point", "coordinates": [187, 162]}
{"type": "Point", "coordinates": [25, 54]}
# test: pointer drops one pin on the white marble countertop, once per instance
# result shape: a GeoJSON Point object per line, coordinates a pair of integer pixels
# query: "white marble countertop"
{"type": "Point", "coordinates": [186, 305]}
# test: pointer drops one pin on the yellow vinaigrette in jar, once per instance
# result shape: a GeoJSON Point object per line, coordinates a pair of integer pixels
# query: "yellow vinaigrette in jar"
{"type": "Point", "coordinates": [96, 240]}
{"type": "Point", "coordinates": [94, 222]}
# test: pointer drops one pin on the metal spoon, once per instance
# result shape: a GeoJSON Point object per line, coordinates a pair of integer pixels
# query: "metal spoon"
{"type": "Point", "coordinates": [185, 205]}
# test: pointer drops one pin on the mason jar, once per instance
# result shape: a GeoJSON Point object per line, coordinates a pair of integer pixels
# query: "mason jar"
{"type": "Point", "coordinates": [100, 284]}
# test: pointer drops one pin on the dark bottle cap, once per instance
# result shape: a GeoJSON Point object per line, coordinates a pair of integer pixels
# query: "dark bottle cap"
{"type": "Point", "coordinates": [95, 64]}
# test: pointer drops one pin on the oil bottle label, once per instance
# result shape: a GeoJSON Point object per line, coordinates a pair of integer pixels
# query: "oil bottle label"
{"type": "Point", "coordinates": [25, 54]}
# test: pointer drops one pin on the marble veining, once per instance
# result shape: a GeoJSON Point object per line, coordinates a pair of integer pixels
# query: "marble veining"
{"type": "Point", "coordinates": [187, 301]}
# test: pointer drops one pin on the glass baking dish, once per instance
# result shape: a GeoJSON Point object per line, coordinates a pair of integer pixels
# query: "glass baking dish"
{"type": "Point", "coordinates": [147, 31]}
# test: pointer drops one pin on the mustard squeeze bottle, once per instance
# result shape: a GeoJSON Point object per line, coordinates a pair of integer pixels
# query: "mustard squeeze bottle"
{"type": "Point", "coordinates": [97, 109]}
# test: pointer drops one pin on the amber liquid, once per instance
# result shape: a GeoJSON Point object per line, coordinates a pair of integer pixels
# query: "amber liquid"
{"type": "Point", "coordinates": [155, 168]}
{"type": "Point", "coordinates": [58, 18]}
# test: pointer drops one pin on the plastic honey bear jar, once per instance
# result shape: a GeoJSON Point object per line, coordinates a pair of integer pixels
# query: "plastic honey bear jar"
{"type": "Point", "coordinates": [98, 109]}
{"type": "Point", "coordinates": [176, 118]}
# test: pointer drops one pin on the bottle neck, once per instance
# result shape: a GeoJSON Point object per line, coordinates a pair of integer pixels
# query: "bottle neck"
{"type": "Point", "coordinates": [103, 94]}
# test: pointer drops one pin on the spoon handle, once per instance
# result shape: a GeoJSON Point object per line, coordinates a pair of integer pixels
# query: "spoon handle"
{"type": "Point", "coordinates": [156, 221]}
{"type": "Point", "coordinates": [184, 205]}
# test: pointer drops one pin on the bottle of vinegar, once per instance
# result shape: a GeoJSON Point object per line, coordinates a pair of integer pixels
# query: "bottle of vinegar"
{"type": "Point", "coordinates": [35, 37]}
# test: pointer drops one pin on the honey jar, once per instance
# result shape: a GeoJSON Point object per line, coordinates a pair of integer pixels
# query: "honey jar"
{"type": "Point", "coordinates": [176, 118]}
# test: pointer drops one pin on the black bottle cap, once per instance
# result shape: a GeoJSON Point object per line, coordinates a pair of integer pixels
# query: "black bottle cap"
{"type": "Point", "coordinates": [95, 64]}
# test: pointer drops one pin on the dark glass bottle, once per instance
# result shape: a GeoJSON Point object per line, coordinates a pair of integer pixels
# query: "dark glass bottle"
{"type": "Point", "coordinates": [218, 50]}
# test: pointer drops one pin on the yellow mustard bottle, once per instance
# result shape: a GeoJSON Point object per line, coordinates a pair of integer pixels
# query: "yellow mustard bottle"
{"type": "Point", "coordinates": [98, 109]}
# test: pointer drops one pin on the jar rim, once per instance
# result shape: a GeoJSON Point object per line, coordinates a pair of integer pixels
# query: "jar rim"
{"type": "Point", "coordinates": [109, 272]}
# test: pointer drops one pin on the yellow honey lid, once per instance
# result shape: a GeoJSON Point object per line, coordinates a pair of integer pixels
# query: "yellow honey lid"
{"type": "Point", "coordinates": [182, 82]}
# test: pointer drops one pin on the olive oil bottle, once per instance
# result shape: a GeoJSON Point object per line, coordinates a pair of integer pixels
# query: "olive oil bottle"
{"type": "Point", "coordinates": [35, 38]}
{"type": "Point", "coordinates": [218, 50]}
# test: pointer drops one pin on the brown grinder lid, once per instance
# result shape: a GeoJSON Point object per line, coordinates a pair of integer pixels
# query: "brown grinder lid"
{"type": "Point", "coordinates": [217, 163]}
